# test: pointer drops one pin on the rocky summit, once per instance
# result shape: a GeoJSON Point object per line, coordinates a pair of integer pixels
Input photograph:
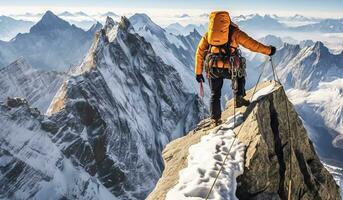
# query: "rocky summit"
{"type": "Point", "coordinates": [266, 168]}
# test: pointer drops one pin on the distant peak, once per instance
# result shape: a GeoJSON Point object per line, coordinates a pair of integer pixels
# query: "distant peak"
{"type": "Point", "coordinates": [80, 13]}
{"type": "Point", "coordinates": [50, 22]}
{"type": "Point", "coordinates": [49, 13]}
{"type": "Point", "coordinates": [142, 17]}
{"type": "Point", "coordinates": [319, 47]}
{"type": "Point", "coordinates": [319, 44]}
{"type": "Point", "coordinates": [66, 14]}
{"type": "Point", "coordinates": [111, 14]}
{"type": "Point", "coordinates": [194, 32]}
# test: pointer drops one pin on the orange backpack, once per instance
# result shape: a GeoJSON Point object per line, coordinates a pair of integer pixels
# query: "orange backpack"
{"type": "Point", "coordinates": [220, 54]}
{"type": "Point", "coordinates": [218, 28]}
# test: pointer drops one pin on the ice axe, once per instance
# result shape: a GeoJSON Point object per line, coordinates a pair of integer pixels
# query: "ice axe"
{"type": "Point", "coordinates": [201, 91]}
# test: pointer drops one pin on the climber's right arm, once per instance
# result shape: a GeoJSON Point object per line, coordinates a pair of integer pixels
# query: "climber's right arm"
{"type": "Point", "coordinates": [246, 41]}
{"type": "Point", "coordinates": [200, 54]}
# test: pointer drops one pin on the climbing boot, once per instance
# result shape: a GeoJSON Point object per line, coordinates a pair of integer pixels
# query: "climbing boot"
{"type": "Point", "coordinates": [240, 101]}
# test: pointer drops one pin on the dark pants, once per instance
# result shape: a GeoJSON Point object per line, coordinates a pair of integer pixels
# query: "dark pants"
{"type": "Point", "coordinates": [216, 85]}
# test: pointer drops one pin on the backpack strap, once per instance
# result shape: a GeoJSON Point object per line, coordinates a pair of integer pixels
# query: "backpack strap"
{"type": "Point", "coordinates": [228, 44]}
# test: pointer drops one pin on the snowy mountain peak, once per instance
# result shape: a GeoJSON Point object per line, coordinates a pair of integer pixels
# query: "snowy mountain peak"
{"type": "Point", "coordinates": [109, 24]}
{"type": "Point", "coordinates": [195, 33]}
{"type": "Point", "coordinates": [141, 18]}
{"type": "Point", "coordinates": [142, 23]}
{"type": "Point", "coordinates": [49, 22]}
{"type": "Point", "coordinates": [291, 47]}
{"type": "Point", "coordinates": [125, 24]}
{"type": "Point", "coordinates": [320, 49]}
{"type": "Point", "coordinates": [126, 109]}
{"type": "Point", "coordinates": [272, 40]}
{"type": "Point", "coordinates": [319, 45]}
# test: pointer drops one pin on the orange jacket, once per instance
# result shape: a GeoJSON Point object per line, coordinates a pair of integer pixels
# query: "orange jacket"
{"type": "Point", "coordinates": [238, 37]}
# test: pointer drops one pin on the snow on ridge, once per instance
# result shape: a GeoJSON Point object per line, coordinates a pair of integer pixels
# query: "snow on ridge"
{"type": "Point", "coordinates": [204, 162]}
{"type": "Point", "coordinates": [205, 159]}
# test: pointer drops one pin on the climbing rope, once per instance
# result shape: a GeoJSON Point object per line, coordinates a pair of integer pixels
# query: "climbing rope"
{"type": "Point", "coordinates": [235, 135]}
{"type": "Point", "coordinates": [290, 136]}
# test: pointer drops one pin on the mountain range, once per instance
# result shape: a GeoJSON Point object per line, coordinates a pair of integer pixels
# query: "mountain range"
{"type": "Point", "coordinates": [51, 43]}
{"type": "Point", "coordinates": [313, 79]}
{"type": "Point", "coordinates": [132, 93]}
{"type": "Point", "coordinates": [110, 121]}
{"type": "Point", "coordinates": [256, 22]}
{"type": "Point", "coordinates": [10, 27]}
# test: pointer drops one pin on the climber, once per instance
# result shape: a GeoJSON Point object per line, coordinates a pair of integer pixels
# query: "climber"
{"type": "Point", "coordinates": [218, 52]}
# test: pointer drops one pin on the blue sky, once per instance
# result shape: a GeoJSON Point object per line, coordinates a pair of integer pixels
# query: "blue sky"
{"type": "Point", "coordinates": [314, 8]}
{"type": "Point", "coordinates": [327, 5]}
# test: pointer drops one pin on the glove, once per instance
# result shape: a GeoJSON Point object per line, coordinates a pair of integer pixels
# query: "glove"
{"type": "Point", "coordinates": [272, 50]}
{"type": "Point", "coordinates": [200, 78]}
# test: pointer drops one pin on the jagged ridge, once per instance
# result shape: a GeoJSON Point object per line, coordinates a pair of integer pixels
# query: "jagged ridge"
{"type": "Point", "coordinates": [266, 168]}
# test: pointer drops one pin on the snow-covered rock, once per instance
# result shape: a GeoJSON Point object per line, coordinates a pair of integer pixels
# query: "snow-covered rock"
{"type": "Point", "coordinates": [122, 106]}
{"type": "Point", "coordinates": [203, 162]}
{"type": "Point", "coordinates": [33, 166]}
{"type": "Point", "coordinates": [20, 79]}
{"type": "Point", "coordinates": [177, 51]}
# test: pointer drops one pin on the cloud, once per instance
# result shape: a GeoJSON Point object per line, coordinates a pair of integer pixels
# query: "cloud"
{"type": "Point", "coordinates": [183, 16]}
{"type": "Point", "coordinates": [204, 15]}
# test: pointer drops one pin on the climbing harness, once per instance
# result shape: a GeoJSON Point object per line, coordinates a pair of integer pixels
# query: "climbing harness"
{"type": "Point", "coordinates": [276, 79]}
{"type": "Point", "coordinates": [236, 64]}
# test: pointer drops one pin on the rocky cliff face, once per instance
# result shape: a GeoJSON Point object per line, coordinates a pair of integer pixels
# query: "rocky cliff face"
{"type": "Point", "coordinates": [32, 166]}
{"type": "Point", "coordinates": [108, 122]}
{"type": "Point", "coordinates": [313, 79]}
{"type": "Point", "coordinates": [20, 79]}
{"type": "Point", "coordinates": [266, 160]}
{"type": "Point", "coordinates": [118, 111]}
